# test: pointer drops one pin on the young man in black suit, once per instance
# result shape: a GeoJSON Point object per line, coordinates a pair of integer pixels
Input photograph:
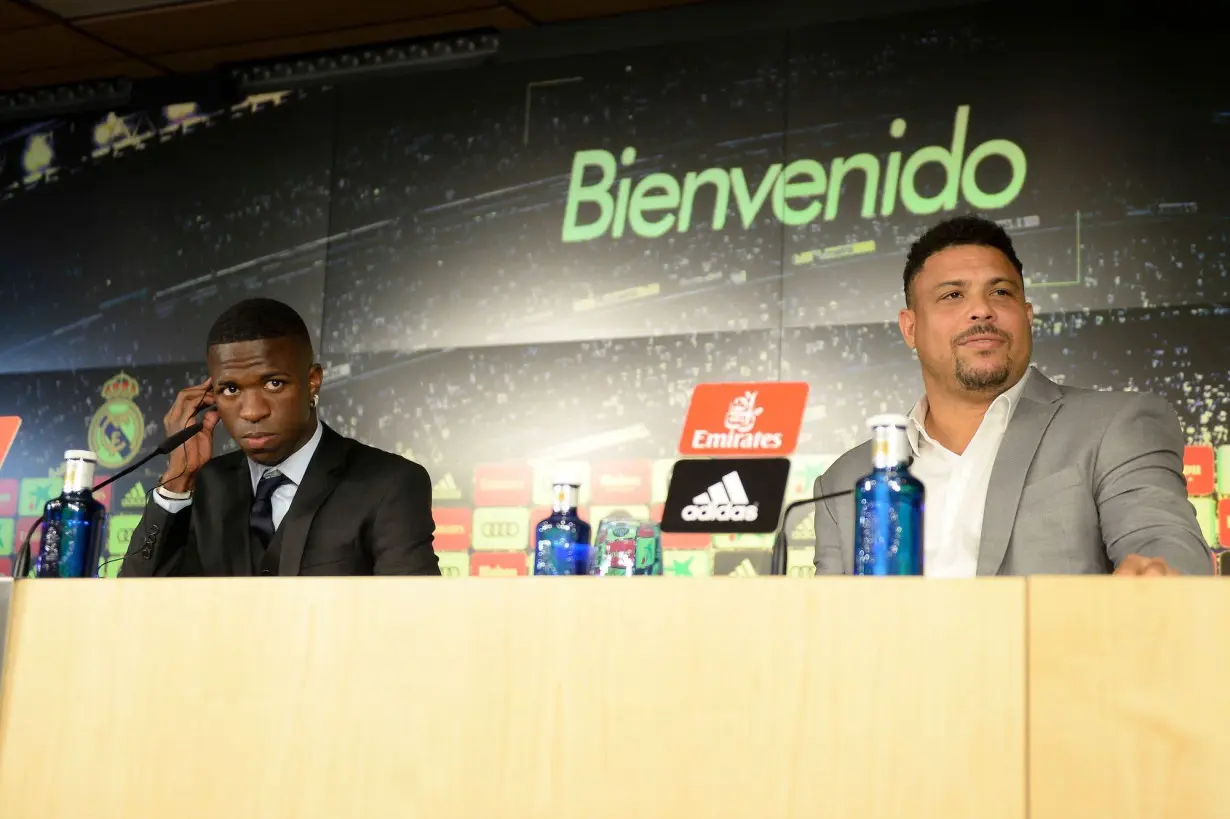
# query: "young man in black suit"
{"type": "Point", "coordinates": [297, 499]}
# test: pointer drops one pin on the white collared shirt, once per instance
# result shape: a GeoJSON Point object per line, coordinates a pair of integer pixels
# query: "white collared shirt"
{"type": "Point", "coordinates": [956, 486]}
{"type": "Point", "coordinates": [294, 467]}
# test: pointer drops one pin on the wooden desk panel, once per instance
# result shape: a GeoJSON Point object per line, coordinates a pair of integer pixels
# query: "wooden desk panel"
{"type": "Point", "coordinates": [1128, 717]}
{"type": "Point", "coordinates": [595, 698]}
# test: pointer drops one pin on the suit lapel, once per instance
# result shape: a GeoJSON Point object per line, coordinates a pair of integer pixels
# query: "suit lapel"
{"type": "Point", "coordinates": [230, 517]}
{"type": "Point", "coordinates": [323, 474]}
{"type": "Point", "coordinates": [1038, 404]}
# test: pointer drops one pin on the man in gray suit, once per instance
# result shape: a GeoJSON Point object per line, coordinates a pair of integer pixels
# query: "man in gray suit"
{"type": "Point", "coordinates": [1023, 476]}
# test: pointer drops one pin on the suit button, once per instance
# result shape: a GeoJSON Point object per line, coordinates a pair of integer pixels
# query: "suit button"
{"type": "Point", "coordinates": [266, 571]}
{"type": "Point", "coordinates": [153, 529]}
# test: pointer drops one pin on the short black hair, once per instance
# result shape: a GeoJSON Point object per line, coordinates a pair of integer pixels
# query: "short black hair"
{"type": "Point", "coordinates": [959, 230]}
{"type": "Point", "coordinates": [257, 319]}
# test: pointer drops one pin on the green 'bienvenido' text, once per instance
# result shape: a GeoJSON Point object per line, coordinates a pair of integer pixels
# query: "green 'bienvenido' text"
{"type": "Point", "coordinates": [797, 193]}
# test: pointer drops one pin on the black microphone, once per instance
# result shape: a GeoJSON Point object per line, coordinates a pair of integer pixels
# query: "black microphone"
{"type": "Point", "coordinates": [178, 438]}
{"type": "Point", "coordinates": [21, 560]}
{"type": "Point", "coordinates": [781, 546]}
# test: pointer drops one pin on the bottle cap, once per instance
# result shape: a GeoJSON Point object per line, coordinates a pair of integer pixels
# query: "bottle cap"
{"type": "Point", "coordinates": [565, 479]}
{"type": "Point", "coordinates": [888, 419]}
{"type": "Point", "coordinates": [80, 455]}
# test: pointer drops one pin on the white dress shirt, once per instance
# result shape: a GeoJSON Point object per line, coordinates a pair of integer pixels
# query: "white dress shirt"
{"type": "Point", "coordinates": [956, 486]}
{"type": "Point", "coordinates": [294, 468]}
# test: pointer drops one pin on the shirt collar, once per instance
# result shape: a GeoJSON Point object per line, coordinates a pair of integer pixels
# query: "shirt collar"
{"type": "Point", "coordinates": [916, 430]}
{"type": "Point", "coordinates": [295, 466]}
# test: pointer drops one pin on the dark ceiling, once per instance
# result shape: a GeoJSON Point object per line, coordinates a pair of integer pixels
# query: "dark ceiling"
{"type": "Point", "coordinates": [49, 42]}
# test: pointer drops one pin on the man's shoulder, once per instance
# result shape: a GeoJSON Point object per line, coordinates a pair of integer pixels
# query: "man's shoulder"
{"type": "Point", "coordinates": [221, 465]}
{"type": "Point", "coordinates": [368, 460]}
{"type": "Point", "coordinates": [853, 464]}
{"type": "Point", "coordinates": [1106, 404]}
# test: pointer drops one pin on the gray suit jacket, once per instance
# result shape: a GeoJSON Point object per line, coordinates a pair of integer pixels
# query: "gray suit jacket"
{"type": "Point", "coordinates": [1083, 478]}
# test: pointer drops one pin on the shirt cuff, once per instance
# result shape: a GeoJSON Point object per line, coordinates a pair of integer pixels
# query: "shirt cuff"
{"type": "Point", "coordinates": [173, 505]}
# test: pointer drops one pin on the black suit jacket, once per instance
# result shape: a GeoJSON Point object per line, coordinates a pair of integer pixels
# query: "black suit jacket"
{"type": "Point", "coordinates": [359, 511]}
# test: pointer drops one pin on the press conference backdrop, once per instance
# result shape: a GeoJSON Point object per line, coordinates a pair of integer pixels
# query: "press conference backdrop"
{"type": "Point", "coordinates": [509, 268]}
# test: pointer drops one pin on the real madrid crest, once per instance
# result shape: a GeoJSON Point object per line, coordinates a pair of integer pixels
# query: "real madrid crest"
{"type": "Point", "coordinates": [117, 429]}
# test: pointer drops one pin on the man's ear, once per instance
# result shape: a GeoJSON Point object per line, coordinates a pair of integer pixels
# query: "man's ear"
{"type": "Point", "coordinates": [906, 321]}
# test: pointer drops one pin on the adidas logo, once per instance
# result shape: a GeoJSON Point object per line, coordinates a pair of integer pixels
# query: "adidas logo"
{"type": "Point", "coordinates": [725, 500]}
{"type": "Point", "coordinates": [446, 488]}
{"type": "Point", "coordinates": [134, 498]}
{"type": "Point", "coordinates": [744, 569]}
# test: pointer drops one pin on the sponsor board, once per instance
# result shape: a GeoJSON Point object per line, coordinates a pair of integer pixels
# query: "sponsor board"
{"type": "Point", "coordinates": [661, 479]}
{"type": "Point", "coordinates": [729, 541]}
{"type": "Point", "coordinates": [1223, 523]}
{"type": "Point", "coordinates": [454, 564]}
{"type": "Point", "coordinates": [1198, 470]}
{"type": "Point", "coordinates": [8, 537]}
{"type": "Point", "coordinates": [119, 533]}
{"type": "Point", "coordinates": [503, 484]}
{"type": "Point", "coordinates": [620, 482]}
{"type": "Point", "coordinates": [135, 497]}
{"type": "Point", "coordinates": [804, 470]}
{"type": "Point", "coordinates": [741, 564]}
{"type": "Point", "coordinates": [34, 494]}
{"type": "Point", "coordinates": [1223, 470]}
{"type": "Point", "coordinates": [452, 529]}
{"type": "Point", "coordinates": [801, 562]}
{"type": "Point", "coordinates": [496, 528]}
{"type": "Point", "coordinates": [9, 426]}
{"type": "Point", "coordinates": [690, 563]}
{"type": "Point", "coordinates": [9, 487]}
{"type": "Point", "coordinates": [726, 496]}
{"type": "Point", "coordinates": [1206, 516]}
{"type": "Point", "coordinates": [446, 489]}
{"type": "Point", "coordinates": [24, 525]}
{"type": "Point", "coordinates": [752, 419]}
{"type": "Point", "coordinates": [103, 495]}
{"type": "Point", "coordinates": [500, 564]}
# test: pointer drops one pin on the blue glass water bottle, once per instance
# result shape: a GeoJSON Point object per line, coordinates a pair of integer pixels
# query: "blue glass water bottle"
{"type": "Point", "coordinates": [74, 524]}
{"type": "Point", "coordinates": [562, 539]}
{"type": "Point", "coordinates": [888, 505]}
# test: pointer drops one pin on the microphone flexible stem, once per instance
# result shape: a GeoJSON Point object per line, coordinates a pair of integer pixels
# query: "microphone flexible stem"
{"type": "Point", "coordinates": [781, 546]}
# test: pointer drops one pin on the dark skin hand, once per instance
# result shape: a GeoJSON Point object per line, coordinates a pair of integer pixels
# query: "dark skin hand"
{"type": "Point", "coordinates": [186, 461]}
{"type": "Point", "coordinates": [261, 391]}
{"type": "Point", "coordinates": [1140, 566]}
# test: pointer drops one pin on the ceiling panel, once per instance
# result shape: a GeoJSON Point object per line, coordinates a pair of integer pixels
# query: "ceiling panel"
{"type": "Point", "coordinates": [71, 9]}
{"type": "Point", "coordinates": [205, 25]}
{"type": "Point", "coordinates": [13, 16]}
{"type": "Point", "coordinates": [546, 11]}
{"type": "Point", "coordinates": [45, 42]}
{"type": "Point", "coordinates": [74, 73]}
{"type": "Point", "coordinates": [47, 47]}
{"type": "Point", "coordinates": [205, 59]}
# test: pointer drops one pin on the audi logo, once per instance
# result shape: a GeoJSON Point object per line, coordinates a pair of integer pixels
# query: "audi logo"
{"type": "Point", "coordinates": [500, 529]}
